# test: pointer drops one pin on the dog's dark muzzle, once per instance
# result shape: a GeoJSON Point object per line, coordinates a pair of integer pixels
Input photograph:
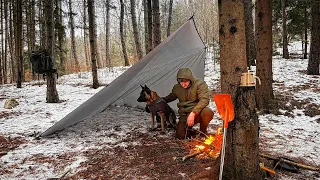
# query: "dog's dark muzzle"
{"type": "Point", "coordinates": [142, 99]}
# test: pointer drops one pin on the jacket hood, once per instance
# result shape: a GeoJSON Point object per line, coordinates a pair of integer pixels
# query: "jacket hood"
{"type": "Point", "coordinates": [185, 73]}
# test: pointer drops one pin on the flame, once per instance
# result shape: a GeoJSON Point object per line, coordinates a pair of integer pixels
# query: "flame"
{"type": "Point", "coordinates": [209, 140]}
{"type": "Point", "coordinates": [217, 143]}
{"type": "Point", "coordinates": [212, 144]}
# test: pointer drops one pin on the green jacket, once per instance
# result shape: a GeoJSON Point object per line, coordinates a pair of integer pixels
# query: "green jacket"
{"type": "Point", "coordinates": [194, 98]}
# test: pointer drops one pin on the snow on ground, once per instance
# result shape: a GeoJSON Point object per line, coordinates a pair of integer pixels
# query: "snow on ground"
{"type": "Point", "coordinates": [296, 136]}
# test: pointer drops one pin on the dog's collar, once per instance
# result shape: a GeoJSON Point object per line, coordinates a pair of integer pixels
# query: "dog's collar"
{"type": "Point", "coordinates": [159, 99]}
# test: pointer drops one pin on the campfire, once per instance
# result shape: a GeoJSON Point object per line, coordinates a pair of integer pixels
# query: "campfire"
{"type": "Point", "coordinates": [209, 148]}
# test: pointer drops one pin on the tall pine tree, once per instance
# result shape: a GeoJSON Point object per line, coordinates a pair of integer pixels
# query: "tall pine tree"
{"type": "Point", "coordinates": [242, 143]}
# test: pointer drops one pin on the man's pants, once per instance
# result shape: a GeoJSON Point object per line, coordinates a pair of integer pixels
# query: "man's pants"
{"type": "Point", "coordinates": [203, 118]}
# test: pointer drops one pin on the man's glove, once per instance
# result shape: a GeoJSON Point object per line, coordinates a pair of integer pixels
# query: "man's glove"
{"type": "Point", "coordinates": [190, 119]}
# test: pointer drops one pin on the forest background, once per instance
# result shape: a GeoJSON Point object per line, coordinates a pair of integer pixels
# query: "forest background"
{"type": "Point", "coordinates": [121, 29]}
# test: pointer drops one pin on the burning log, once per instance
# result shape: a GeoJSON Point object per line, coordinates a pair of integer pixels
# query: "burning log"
{"type": "Point", "coordinates": [192, 155]}
{"type": "Point", "coordinates": [211, 146]}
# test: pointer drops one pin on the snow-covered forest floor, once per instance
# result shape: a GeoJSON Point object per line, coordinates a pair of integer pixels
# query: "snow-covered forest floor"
{"type": "Point", "coordinates": [116, 144]}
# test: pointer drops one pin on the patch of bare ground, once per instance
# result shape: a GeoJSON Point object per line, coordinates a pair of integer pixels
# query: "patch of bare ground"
{"type": "Point", "coordinates": [8, 144]}
{"type": "Point", "coordinates": [58, 162]}
{"type": "Point", "coordinates": [6, 114]}
{"type": "Point", "coordinates": [285, 101]}
{"type": "Point", "coordinates": [152, 158]}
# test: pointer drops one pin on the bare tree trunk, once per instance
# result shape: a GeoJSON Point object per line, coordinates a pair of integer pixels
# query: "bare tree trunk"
{"type": "Point", "coordinates": [30, 16]}
{"type": "Point", "coordinates": [314, 58]}
{"type": "Point", "coordinates": [156, 23]}
{"type": "Point", "coordinates": [61, 37]}
{"type": "Point", "coordinates": [52, 93]}
{"type": "Point", "coordinates": [85, 35]}
{"type": "Point", "coordinates": [31, 32]}
{"type": "Point", "coordinates": [242, 145]}
{"type": "Point", "coordinates": [150, 31]}
{"type": "Point", "coordinates": [73, 40]}
{"type": "Point", "coordinates": [5, 72]}
{"type": "Point", "coordinates": [145, 18]}
{"type": "Point", "coordinates": [122, 36]}
{"type": "Point", "coordinates": [264, 92]}
{"type": "Point", "coordinates": [250, 39]}
{"type": "Point", "coordinates": [108, 60]}
{"type": "Point", "coordinates": [23, 39]}
{"type": "Point", "coordinates": [284, 31]}
{"type": "Point", "coordinates": [98, 57]}
{"type": "Point", "coordinates": [93, 43]}
{"type": "Point", "coordinates": [169, 18]}
{"type": "Point", "coordinates": [42, 24]}
{"type": "Point", "coordinates": [2, 44]}
{"type": "Point", "coordinates": [33, 25]}
{"type": "Point", "coordinates": [11, 44]}
{"type": "Point", "coordinates": [163, 8]}
{"type": "Point", "coordinates": [135, 29]}
{"type": "Point", "coordinates": [18, 40]}
{"type": "Point", "coordinates": [305, 54]}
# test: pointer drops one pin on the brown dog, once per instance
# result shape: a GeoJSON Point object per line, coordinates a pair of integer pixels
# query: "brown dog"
{"type": "Point", "coordinates": [157, 107]}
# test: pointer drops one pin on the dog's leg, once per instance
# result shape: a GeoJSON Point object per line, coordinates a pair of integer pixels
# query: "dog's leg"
{"type": "Point", "coordinates": [152, 121]}
{"type": "Point", "coordinates": [163, 121]}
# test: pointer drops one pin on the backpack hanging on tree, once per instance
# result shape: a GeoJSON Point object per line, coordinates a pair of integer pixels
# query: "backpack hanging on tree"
{"type": "Point", "coordinates": [42, 63]}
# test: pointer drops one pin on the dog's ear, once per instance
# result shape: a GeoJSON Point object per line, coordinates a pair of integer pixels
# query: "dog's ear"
{"type": "Point", "coordinates": [147, 89]}
{"type": "Point", "coordinates": [141, 86]}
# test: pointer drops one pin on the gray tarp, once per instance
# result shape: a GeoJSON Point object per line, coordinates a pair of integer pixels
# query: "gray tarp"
{"type": "Point", "coordinates": [157, 70]}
